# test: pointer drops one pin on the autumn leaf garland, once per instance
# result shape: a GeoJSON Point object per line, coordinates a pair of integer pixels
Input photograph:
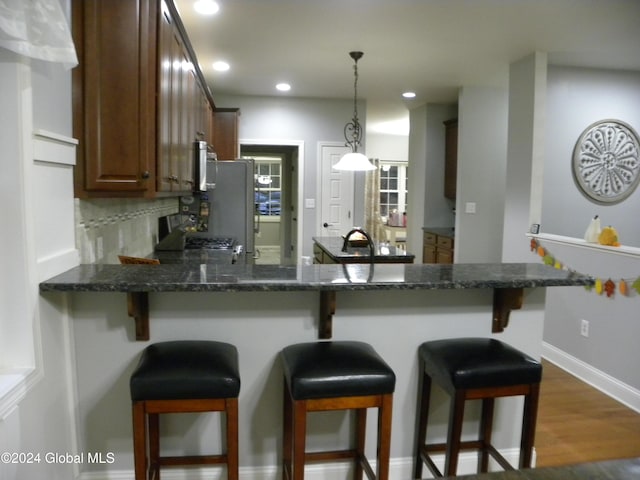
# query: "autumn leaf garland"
{"type": "Point", "coordinates": [624, 286]}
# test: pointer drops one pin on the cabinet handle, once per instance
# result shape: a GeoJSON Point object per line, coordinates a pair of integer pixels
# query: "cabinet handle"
{"type": "Point", "coordinates": [145, 175]}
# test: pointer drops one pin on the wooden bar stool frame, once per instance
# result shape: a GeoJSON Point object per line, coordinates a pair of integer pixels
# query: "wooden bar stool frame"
{"type": "Point", "coordinates": [146, 433]}
{"type": "Point", "coordinates": [455, 445]}
{"type": "Point", "coordinates": [295, 456]}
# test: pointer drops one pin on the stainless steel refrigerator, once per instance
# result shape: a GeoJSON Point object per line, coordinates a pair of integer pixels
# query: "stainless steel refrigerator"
{"type": "Point", "coordinates": [231, 202]}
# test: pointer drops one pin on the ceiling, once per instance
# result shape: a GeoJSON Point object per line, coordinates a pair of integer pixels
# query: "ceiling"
{"type": "Point", "coordinates": [431, 47]}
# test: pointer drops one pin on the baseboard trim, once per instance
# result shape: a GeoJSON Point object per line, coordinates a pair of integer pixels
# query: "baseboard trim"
{"type": "Point", "coordinates": [614, 388]}
{"type": "Point", "coordinates": [399, 469]}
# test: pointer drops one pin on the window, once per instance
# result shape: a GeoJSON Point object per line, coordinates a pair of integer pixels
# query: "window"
{"type": "Point", "coordinates": [268, 185]}
{"type": "Point", "coordinates": [393, 187]}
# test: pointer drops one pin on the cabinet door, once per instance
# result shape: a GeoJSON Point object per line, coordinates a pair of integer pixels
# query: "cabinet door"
{"type": "Point", "coordinates": [114, 96]}
{"type": "Point", "coordinates": [451, 158]}
{"type": "Point", "coordinates": [429, 254]}
{"type": "Point", "coordinates": [225, 133]}
{"type": "Point", "coordinates": [176, 122]}
{"type": "Point", "coordinates": [188, 125]}
{"type": "Point", "coordinates": [444, 256]}
{"type": "Point", "coordinates": [165, 58]}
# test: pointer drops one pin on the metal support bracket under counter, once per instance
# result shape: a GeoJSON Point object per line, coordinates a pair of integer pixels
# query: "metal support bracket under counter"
{"type": "Point", "coordinates": [507, 281]}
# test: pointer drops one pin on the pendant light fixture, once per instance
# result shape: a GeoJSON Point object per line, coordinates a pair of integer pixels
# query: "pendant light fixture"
{"type": "Point", "coordinates": [354, 160]}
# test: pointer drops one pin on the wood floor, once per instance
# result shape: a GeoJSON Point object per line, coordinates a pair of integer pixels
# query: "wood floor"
{"type": "Point", "coordinates": [577, 423]}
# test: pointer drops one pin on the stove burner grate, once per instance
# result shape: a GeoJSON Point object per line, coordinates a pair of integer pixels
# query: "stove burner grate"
{"type": "Point", "coordinates": [210, 243]}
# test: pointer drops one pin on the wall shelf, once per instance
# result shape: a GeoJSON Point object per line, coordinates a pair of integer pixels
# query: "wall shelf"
{"type": "Point", "coordinates": [581, 243]}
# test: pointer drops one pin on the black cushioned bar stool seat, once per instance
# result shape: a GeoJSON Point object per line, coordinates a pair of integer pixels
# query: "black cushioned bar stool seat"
{"type": "Point", "coordinates": [183, 377]}
{"type": "Point", "coordinates": [475, 368]}
{"type": "Point", "coordinates": [338, 375]}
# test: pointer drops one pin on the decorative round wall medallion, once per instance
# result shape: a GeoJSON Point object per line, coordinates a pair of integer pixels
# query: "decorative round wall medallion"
{"type": "Point", "coordinates": [606, 161]}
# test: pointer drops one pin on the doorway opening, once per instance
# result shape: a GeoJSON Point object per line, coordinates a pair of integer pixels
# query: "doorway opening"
{"type": "Point", "coordinates": [276, 197]}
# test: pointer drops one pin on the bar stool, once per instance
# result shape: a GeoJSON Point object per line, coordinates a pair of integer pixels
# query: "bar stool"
{"type": "Point", "coordinates": [342, 375]}
{"type": "Point", "coordinates": [468, 369]}
{"type": "Point", "coordinates": [182, 377]}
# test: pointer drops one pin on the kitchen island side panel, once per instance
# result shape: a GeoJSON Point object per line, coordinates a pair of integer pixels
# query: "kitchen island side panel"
{"type": "Point", "coordinates": [260, 324]}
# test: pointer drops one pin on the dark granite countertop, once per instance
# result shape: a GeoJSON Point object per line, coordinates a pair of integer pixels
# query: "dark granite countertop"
{"type": "Point", "coordinates": [384, 253]}
{"type": "Point", "coordinates": [193, 277]}
{"type": "Point", "coordinates": [610, 470]}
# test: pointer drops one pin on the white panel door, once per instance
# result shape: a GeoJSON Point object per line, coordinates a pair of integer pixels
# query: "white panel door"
{"type": "Point", "coordinates": [336, 194]}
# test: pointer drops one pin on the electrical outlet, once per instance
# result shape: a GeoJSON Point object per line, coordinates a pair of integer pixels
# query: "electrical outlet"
{"type": "Point", "coordinates": [584, 328]}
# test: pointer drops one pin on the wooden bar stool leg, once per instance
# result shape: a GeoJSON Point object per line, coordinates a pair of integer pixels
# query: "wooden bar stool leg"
{"type": "Point", "coordinates": [299, 437]}
{"type": "Point", "coordinates": [529, 416]}
{"type": "Point", "coordinates": [456, 416]}
{"type": "Point", "coordinates": [384, 436]}
{"type": "Point", "coordinates": [139, 441]}
{"type": "Point", "coordinates": [231, 408]}
{"type": "Point", "coordinates": [361, 425]}
{"type": "Point", "coordinates": [154, 446]}
{"type": "Point", "coordinates": [287, 443]}
{"type": "Point", "coordinates": [486, 426]}
{"type": "Point", "coordinates": [422, 404]}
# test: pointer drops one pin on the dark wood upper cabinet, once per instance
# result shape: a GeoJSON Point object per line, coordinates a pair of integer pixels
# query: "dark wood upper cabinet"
{"type": "Point", "coordinates": [114, 101]}
{"type": "Point", "coordinates": [139, 100]}
{"type": "Point", "coordinates": [450, 158]}
{"type": "Point", "coordinates": [225, 133]}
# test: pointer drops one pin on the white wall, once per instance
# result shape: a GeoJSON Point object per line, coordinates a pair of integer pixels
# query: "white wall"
{"type": "Point", "coordinates": [482, 140]}
{"type": "Point", "coordinates": [417, 181]}
{"type": "Point", "coordinates": [42, 420]}
{"type": "Point", "coordinates": [525, 150]}
{"type": "Point", "coordinates": [577, 98]}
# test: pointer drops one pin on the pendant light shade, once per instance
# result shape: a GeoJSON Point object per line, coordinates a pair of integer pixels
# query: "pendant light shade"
{"type": "Point", "coordinates": [354, 161]}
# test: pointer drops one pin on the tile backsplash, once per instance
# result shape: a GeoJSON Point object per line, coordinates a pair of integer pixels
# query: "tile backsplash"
{"type": "Point", "coordinates": [106, 228]}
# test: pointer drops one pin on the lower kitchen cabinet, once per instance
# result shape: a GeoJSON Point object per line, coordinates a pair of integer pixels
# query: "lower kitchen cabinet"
{"type": "Point", "coordinates": [438, 245]}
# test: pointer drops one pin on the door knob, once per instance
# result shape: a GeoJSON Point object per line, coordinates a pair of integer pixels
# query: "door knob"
{"type": "Point", "coordinates": [325, 225]}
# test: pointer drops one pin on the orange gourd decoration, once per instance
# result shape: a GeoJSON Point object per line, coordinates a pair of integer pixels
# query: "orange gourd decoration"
{"type": "Point", "coordinates": [623, 288]}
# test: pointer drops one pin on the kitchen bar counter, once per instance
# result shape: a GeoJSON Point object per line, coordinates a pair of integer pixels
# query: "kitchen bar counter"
{"type": "Point", "coordinates": [507, 280]}
{"type": "Point", "coordinates": [610, 470]}
{"type": "Point", "coordinates": [192, 277]}
{"type": "Point", "coordinates": [331, 247]}
{"type": "Point", "coordinates": [261, 309]}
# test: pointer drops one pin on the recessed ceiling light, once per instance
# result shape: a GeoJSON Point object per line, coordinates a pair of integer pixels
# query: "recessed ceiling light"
{"type": "Point", "coordinates": [206, 7]}
{"type": "Point", "coordinates": [409, 94]}
{"type": "Point", "coordinates": [220, 66]}
{"type": "Point", "coordinates": [283, 87]}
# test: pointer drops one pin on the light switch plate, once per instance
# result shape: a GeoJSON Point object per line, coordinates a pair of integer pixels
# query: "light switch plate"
{"type": "Point", "coordinates": [310, 203]}
{"type": "Point", "coordinates": [470, 207]}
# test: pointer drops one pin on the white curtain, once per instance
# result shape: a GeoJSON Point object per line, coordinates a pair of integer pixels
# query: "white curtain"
{"type": "Point", "coordinates": [372, 222]}
{"type": "Point", "coordinates": [37, 29]}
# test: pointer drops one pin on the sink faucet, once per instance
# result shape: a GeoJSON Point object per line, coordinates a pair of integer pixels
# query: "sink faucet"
{"type": "Point", "coordinates": [369, 242]}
